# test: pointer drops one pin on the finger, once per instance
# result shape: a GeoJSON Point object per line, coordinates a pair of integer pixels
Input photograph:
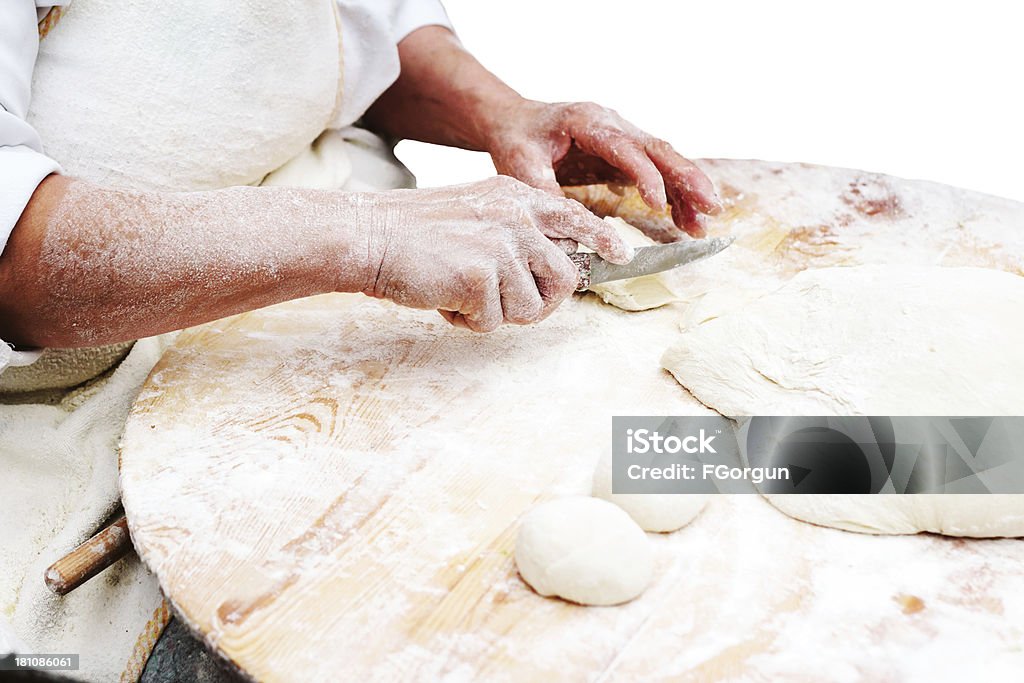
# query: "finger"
{"type": "Point", "coordinates": [555, 275]}
{"type": "Point", "coordinates": [521, 302]}
{"type": "Point", "coordinates": [687, 218]}
{"type": "Point", "coordinates": [454, 317]}
{"type": "Point", "coordinates": [629, 156]}
{"type": "Point", "coordinates": [531, 165]}
{"type": "Point", "coordinates": [567, 218]}
{"type": "Point", "coordinates": [486, 315]}
{"type": "Point", "coordinates": [684, 181]}
{"type": "Point", "coordinates": [567, 246]}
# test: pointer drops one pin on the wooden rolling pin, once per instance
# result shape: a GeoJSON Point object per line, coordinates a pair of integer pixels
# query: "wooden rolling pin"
{"type": "Point", "coordinates": [90, 558]}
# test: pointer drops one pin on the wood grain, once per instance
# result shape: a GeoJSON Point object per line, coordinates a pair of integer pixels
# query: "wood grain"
{"type": "Point", "coordinates": [89, 559]}
{"type": "Point", "coordinates": [329, 489]}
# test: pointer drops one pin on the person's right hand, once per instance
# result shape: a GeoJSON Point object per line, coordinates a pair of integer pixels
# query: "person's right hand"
{"type": "Point", "coordinates": [482, 254]}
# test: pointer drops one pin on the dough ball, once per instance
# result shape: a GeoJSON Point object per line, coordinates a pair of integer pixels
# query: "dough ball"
{"type": "Point", "coordinates": [661, 512]}
{"type": "Point", "coordinates": [584, 550]}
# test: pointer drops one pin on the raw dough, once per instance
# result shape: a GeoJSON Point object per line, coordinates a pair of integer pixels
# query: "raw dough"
{"type": "Point", "coordinates": [659, 512]}
{"type": "Point", "coordinates": [976, 515]}
{"type": "Point", "coordinates": [585, 550]}
{"type": "Point", "coordinates": [872, 340]}
{"type": "Point", "coordinates": [867, 340]}
{"type": "Point", "coordinates": [639, 293]}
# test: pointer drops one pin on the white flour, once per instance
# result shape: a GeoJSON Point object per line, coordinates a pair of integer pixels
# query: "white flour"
{"type": "Point", "coordinates": [8, 641]}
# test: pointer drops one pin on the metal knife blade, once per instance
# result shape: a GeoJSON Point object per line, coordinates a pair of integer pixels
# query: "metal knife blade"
{"type": "Point", "coordinates": [594, 270]}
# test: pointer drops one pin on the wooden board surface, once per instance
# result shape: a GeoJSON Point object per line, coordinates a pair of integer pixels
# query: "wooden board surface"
{"type": "Point", "coordinates": [329, 489]}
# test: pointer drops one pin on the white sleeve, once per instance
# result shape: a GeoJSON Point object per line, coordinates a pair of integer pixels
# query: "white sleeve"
{"type": "Point", "coordinates": [410, 15]}
{"type": "Point", "coordinates": [22, 162]}
{"type": "Point", "coordinates": [370, 33]}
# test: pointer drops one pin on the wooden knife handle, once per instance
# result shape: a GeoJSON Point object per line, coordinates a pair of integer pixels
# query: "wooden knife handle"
{"type": "Point", "coordinates": [90, 558]}
{"type": "Point", "coordinates": [582, 262]}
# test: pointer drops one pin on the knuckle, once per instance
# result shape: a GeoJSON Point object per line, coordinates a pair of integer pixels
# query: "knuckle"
{"type": "Point", "coordinates": [509, 254]}
{"type": "Point", "coordinates": [506, 182]}
{"type": "Point", "coordinates": [582, 109]}
{"type": "Point", "coordinates": [476, 282]}
{"type": "Point", "coordinates": [517, 215]}
{"type": "Point", "coordinates": [658, 145]}
{"type": "Point", "coordinates": [522, 303]}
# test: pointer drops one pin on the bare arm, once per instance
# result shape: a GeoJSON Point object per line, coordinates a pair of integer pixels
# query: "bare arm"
{"type": "Point", "coordinates": [445, 96]}
{"type": "Point", "coordinates": [87, 265]}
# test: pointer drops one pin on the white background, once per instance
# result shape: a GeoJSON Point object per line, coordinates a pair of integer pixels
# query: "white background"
{"type": "Point", "coordinates": [914, 89]}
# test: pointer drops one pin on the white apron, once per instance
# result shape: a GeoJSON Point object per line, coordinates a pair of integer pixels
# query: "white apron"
{"type": "Point", "coordinates": [186, 95]}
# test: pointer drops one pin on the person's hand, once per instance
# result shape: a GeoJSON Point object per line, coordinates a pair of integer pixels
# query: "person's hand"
{"type": "Point", "coordinates": [550, 145]}
{"type": "Point", "coordinates": [482, 253]}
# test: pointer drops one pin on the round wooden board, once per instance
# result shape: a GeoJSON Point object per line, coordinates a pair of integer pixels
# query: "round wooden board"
{"type": "Point", "coordinates": [329, 489]}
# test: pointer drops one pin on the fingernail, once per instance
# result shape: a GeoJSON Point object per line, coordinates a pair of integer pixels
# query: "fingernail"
{"type": "Point", "coordinates": [660, 200]}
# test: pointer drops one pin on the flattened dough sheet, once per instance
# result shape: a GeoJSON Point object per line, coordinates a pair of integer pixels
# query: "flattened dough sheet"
{"type": "Point", "coordinates": [874, 340]}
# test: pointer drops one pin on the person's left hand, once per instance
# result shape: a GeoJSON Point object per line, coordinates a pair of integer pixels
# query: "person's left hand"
{"type": "Point", "coordinates": [550, 145]}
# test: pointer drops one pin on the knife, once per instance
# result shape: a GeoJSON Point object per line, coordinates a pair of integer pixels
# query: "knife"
{"type": "Point", "coordinates": [594, 270]}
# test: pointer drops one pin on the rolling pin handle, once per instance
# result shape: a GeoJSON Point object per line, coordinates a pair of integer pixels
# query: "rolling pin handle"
{"type": "Point", "coordinates": [89, 559]}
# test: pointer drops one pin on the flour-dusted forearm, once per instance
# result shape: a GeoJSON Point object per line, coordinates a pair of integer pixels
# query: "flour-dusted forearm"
{"type": "Point", "coordinates": [87, 265]}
